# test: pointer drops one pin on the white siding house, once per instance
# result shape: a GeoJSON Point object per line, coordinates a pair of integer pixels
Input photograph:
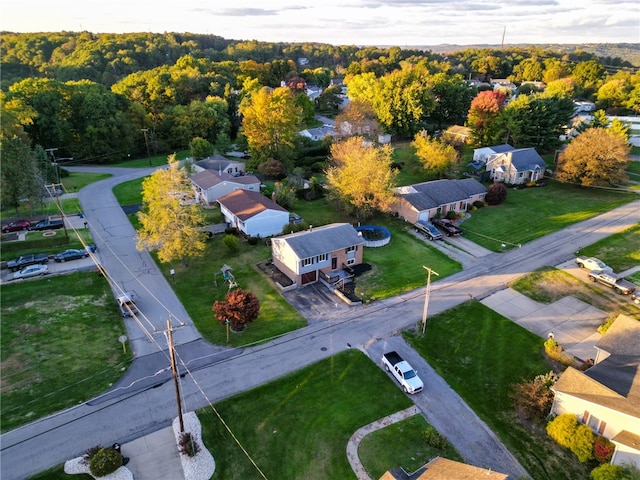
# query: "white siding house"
{"type": "Point", "coordinates": [208, 185]}
{"type": "Point", "coordinates": [517, 166]}
{"type": "Point", "coordinates": [606, 397]}
{"type": "Point", "coordinates": [253, 214]}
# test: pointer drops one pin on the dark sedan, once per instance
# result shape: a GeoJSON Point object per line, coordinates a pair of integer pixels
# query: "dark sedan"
{"type": "Point", "coordinates": [447, 226]}
{"type": "Point", "coordinates": [71, 254]}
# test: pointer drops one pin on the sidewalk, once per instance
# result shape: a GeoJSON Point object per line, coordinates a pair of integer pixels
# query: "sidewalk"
{"type": "Point", "coordinates": [154, 456]}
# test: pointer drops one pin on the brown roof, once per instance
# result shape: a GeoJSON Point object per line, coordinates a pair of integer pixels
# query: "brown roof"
{"type": "Point", "coordinates": [245, 204]}
{"type": "Point", "coordinates": [443, 469]}
{"type": "Point", "coordinates": [627, 438]}
{"type": "Point", "coordinates": [208, 178]}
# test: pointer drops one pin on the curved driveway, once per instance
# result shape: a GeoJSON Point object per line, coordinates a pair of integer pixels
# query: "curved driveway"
{"type": "Point", "coordinates": [30, 449]}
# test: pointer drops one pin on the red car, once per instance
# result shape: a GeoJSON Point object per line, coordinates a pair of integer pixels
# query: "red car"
{"type": "Point", "coordinates": [16, 226]}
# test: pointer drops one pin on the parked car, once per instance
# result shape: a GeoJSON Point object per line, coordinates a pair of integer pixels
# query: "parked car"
{"type": "Point", "coordinates": [128, 307]}
{"type": "Point", "coordinates": [611, 280]}
{"type": "Point", "coordinates": [71, 254]}
{"type": "Point", "coordinates": [16, 226]}
{"type": "Point", "coordinates": [47, 225]}
{"type": "Point", "coordinates": [447, 226]}
{"type": "Point", "coordinates": [27, 260]}
{"type": "Point", "coordinates": [592, 263]}
{"type": "Point", "coordinates": [31, 271]}
{"type": "Point", "coordinates": [636, 298]}
{"type": "Point", "coordinates": [428, 229]}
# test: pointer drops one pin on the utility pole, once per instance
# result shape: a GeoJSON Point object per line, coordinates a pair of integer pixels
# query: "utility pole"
{"type": "Point", "coordinates": [53, 151]}
{"type": "Point", "coordinates": [174, 369]}
{"type": "Point", "coordinates": [426, 297]}
{"type": "Point", "coordinates": [146, 141]}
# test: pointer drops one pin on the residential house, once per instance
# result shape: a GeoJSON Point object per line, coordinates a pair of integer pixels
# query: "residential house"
{"type": "Point", "coordinates": [209, 185]}
{"type": "Point", "coordinates": [457, 133]}
{"type": "Point", "coordinates": [444, 469]}
{"type": "Point", "coordinates": [317, 134]}
{"type": "Point", "coordinates": [517, 166]}
{"type": "Point", "coordinates": [423, 201]}
{"type": "Point", "coordinates": [482, 154]}
{"type": "Point", "coordinates": [318, 253]}
{"type": "Point", "coordinates": [607, 396]}
{"type": "Point", "coordinates": [218, 163]}
{"type": "Point", "coordinates": [503, 83]}
{"type": "Point", "coordinates": [253, 214]}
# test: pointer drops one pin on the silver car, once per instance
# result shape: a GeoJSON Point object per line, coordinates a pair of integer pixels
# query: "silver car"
{"type": "Point", "coordinates": [31, 271]}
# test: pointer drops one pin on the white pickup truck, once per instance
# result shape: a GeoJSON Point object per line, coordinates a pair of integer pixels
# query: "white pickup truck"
{"type": "Point", "coordinates": [403, 372]}
{"type": "Point", "coordinates": [128, 307]}
{"type": "Point", "coordinates": [592, 263]}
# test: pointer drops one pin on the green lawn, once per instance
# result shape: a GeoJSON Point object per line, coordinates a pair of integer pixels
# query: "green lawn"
{"type": "Point", "coordinates": [620, 251]}
{"type": "Point", "coordinates": [59, 349]}
{"type": "Point", "coordinates": [481, 355]}
{"type": "Point", "coordinates": [153, 161]}
{"type": "Point", "coordinates": [409, 450]}
{"type": "Point", "coordinates": [77, 180]}
{"type": "Point", "coordinates": [298, 426]}
{"type": "Point", "coordinates": [534, 212]}
{"type": "Point", "coordinates": [129, 193]}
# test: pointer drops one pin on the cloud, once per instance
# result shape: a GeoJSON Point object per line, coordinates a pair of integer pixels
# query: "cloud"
{"type": "Point", "coordinates": [245, 12]}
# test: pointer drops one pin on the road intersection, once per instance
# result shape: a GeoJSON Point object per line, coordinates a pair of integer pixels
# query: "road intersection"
{"type": "Point", "coordinates": [215, 372]}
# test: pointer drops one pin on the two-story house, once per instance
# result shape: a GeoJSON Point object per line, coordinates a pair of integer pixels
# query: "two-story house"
{"type": "Point", "coordinates": [516, 166]}
{"type": "Point", "coordinates": [306, 257]}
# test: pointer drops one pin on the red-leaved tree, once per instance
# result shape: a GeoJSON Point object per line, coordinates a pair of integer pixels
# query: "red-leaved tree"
{"type": "Point", "coordinates": [241, 307]}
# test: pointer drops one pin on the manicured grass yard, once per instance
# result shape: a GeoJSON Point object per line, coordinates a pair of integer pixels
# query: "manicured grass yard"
{"type": "Point", "coordinates": [298, 426]}
{"type": "Point", "coordinates": [481, 355]}
{"type": "Point", "coordinates": [620, 251]}
{"type": "Point", "coordinates": [534, 212]}
{"type": "Point", "coordinates": [58, 349]}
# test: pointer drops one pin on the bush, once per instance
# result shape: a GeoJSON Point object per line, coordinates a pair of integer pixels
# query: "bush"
{"type": "Point", "coordinates": [562, 429]}
{"type": "Point", "coordinates": [496, 194]}
{"type": "Point", "coordinates": [451, 215]}
{"type": "Point", "coordinates": [534, 398]}
{"type": "Point", "coordinates": [231, 231]}
{"type": "Point", "coordinates": [603, 449]}
{"type": "Point", "coordinates": [607, 472]}
{"type": "Point", "coordinates": [252, 240]}
{"type": "Point", "coordinates": [104, 462]}
{"type": "Point", "coordinates": [435, 439]}
{"type": "Point", "coordinates": [478, 204]}
{"type": "Point", "coordinates": [602, 329]}
{"type": "Point", "coordinates": [90, 453]}
{"type": "Point", "coordinates": [231, 243]}
{"type": "Point", "coordinates": [188, 445]}
{"type": "Point", "coordinates": [582, 443]}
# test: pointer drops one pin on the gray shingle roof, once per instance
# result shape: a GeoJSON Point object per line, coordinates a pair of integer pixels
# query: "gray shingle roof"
{"type": "Point", "coordinates": [216, 163]}
{"type": "Point", "coordinates": [208, 178]}
{"type": "Point", "coordinates": [427, 195]}
{"type": "Point", "coordinates": [525, 159]}
{"type": "Point", "coordinates": [325, 239]}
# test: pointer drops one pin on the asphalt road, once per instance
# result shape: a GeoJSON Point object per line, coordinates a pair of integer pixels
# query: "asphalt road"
{"type": "Point", "coordinates": [221, 373]}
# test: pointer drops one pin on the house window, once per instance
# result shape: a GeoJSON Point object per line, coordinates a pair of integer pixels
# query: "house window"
{"type": "Point", "coordinates": [307, 261]}
{"type": "Point", "coordinates": [352, 248]}
{"type": "Point", "coordinates": [322, 258]}
{"type": "Point", "coordinates": [351, 261]}
{"type": "Point", "coordinates": [593, 422]}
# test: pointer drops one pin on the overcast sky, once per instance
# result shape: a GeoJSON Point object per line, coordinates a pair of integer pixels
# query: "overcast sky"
{"type": "Point", "coordinates": [342, 22]}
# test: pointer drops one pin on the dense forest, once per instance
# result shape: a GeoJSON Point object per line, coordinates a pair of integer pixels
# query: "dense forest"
{"type": "Point", "coordinates": [99, 98]}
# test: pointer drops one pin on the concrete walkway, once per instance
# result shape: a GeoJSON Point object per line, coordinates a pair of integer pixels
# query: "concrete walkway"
{"type": "Point", "coordinates": [356, 438]}
{"type": "Point", "coordinates": [154, 456]}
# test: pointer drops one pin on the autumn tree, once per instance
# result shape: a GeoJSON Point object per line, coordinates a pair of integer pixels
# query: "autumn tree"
{"type": "Point", "coordinates": [201, 148]}
{"type": "Point", "coordinates": [483, 115]}
{"type": "Point", "coordinates": [597, 156]}
{"type": "Point", "coordinates": [241, 307]}
{"type": "Point", "coordinates": [358, 118]}
{"type": "Point", "coordinates": [271, 123]}
{"type": "Point", "coordinates": [166, 226]}
{"type": "Point", "coordinates": [496, 193]}
{"type": "Point", "coordinates": [437, 158]}
{"type": "Point", "coordinates": [360, 177]}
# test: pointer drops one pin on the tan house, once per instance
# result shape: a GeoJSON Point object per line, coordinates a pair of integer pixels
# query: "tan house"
{"type": "Point", "coordinates": [253, 214]}
{"type": "Point", "coordinates": [516, 166]}
{"type": "Point", "coordinates": [444, 469]}
{"type": "Point", "coordinates": [607, 396]}
{"type": "Point", "coordinates": [318, 253]}
{"type": "Point", "coordinates": [426, 200]}
{"type": "Point", "coordinates": [457, 134]}
{"type": "Point", "coordinates": [209, 185]}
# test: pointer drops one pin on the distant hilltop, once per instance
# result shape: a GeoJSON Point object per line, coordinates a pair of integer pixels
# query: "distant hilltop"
{"type": "Point", "coordinates": [626, 51]}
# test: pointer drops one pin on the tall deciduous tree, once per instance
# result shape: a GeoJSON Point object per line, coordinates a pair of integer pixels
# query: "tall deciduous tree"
{"type": "Point", "coordinates": [271, 123]}
{"type": "Point", "coordinates": [595, 157]}
{"type": "Point", "coordinates": [360, 177]}
{"type": "Point", "coordinates": [437, 158]}
{"type": "Point", "coordinates": [167, 227]}
{"type": "Point", "coordinates": [483, 115]}
{"type": "Point", "coordinates": [358, 119]}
